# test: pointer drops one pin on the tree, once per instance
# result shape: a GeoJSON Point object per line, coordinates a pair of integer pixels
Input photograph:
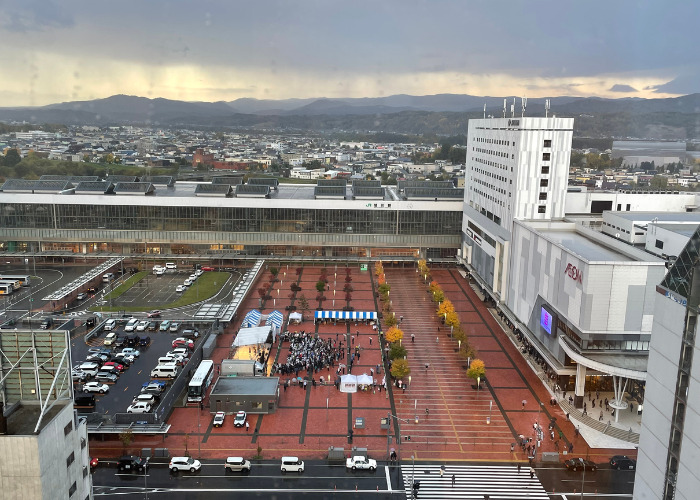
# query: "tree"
{"type": "Point", "coordinates": [446, 307]}
{"type": "Point", "coordinates": [400, 368]}
{"type": "Point", "coordinates": [438, 296]}
{"type": "Point", "coordinates": [477, 369]}
{"type": "Point", "coordinates": [452, 319]}
{"type": "Point", "coordinates": [126, 437]}
{"type": "Point", "coordinates": [394, 334]}
{"type": "Point", "coordinates": [658, 182]}
{"type": "Point", "coordinates": [12, 158]}
{"type": "Point", "coordinates": [320, 286]}
{"type": "Point", "coordinates": [397, 351]}
{"type": "Point", "coordinates": [303, 303]}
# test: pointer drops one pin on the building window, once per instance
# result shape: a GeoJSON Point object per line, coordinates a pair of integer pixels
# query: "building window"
{"type": "Point", "coordinates": [546, 156]}
{"type": "Point", "coordinates": [659, 244]}
{"type": "Point", "coordinates": [544, 182]}
{"type": "Point", "coordinates": [68, 428]}
{"type": "Point", "coordinates": [543, 196]}
{"type": "Point", "coordinates": [72, 489]}
{"type": "Point", "coordinates": [541, 209]}
{"type": "Point", "coordinates": [547, 143]}
{"type": "Point", "coordinates": [256, 405]}
{"type": "Point", "coordinates": [70, 459]}
{"type": "Point", "coordinates": [545, 170]}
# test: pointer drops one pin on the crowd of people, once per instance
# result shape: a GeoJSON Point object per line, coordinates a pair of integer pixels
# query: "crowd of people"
{"type": "Point", "coordinates": [307, 351]}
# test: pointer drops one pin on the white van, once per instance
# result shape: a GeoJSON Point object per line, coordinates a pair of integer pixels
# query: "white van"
{"type": "Point", "coordinates": [89, 368]}
{"type": "Point", "coordinates": [107, 277]}
{"type": "Point", "coordinates": [292, 464]}
{"type": "Point", "coordinates": [131, 325]}
{"type": "Point", "coordinates": [170, 265]}
{"type": "Point", "coordinates": [167, 360]}
{"type": "Point", "coordinates": [165, 371]}
{"type": "Point", "coordinates": [110, 324]}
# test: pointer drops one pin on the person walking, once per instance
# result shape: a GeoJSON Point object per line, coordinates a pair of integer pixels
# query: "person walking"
{"type": "Point", "coordinates": [370, 341]}
{"type": "Point", "coordinates": [247, 426]}
{"type": "Point", "coordinates": [532, 473]}
{"type": "Point", "coordinates": [454, 480]}
{"type": "Point", "coordinates": [442, 470]}
{"type": "Point", "coordinates": [413, 338]}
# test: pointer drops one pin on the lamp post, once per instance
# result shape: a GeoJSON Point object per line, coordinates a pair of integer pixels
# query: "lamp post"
{"type": "Point", "coordinates": [145, 477]}
{"type": "Point", "coordinates": [409, 382]}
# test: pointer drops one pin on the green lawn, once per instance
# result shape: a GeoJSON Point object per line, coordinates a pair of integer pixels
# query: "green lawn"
{"type": "Point", "coordinates": [131, 281]}
{"type": "Point", "coordinates": [205, 287]}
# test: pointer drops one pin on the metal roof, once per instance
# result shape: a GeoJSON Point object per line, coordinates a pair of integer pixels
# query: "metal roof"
{"type": "Point", "coordinates": [160, 180]}
{"type": "Point", "coordinates": [432, 193]}
{"type": "Point", "coordinates": [329, 192]}
{"type": "Point", "coordinates": [369, 193]}
{"type": "Point", "coordinates": [264, 181]}
{"type": "Point", "coordinates": [70, 178]}
{"type": "Point", "coordinates": [425, 184]}
{"type": "Point", "coordinates": [246, 386]}
{"type": "Point", "coordinates": [230, 180]}
{"type": "Point", "coordinates": [94, 187]}
{"type": "Point", "coordinates": [213, 190]}
{"type": "Point", "coordinates": [364, 183]}
{"type": "Point", "coordinates": [134, 188]}
{"type": "Point", "coordinates": [253, 191]}
{"type": "Point", "coordinates": [332, 182]}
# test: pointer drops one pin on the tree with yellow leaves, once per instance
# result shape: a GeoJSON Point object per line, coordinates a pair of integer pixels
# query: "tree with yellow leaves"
{"type": "Point", "coordinates": [438, 296]}
{"type": "Point", "coordinates": [452, 319]}
{"type": "Point", "coordinates": [394, 334]}
{"type": "Point", "coordinates": [477, 369]}
{"type": "Point", "coordinates": [446, 307]}
{"type": "Point", "coordinates": [400, 369]}
{"type": "Point", "coordinates": [434, 287]}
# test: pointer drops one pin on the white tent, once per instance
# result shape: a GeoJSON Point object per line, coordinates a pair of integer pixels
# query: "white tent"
{"type": "Point", "coordinates": [364, 379]}
{"type": "Point", "coordinates": [252, 336]}
{"type": "Point", "coordinates": [348, 383]}
{"type": "Point", "coordinates": [295, 316]}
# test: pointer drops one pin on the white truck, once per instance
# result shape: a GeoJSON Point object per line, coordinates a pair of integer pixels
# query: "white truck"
{"type": "Point", "coordinates": [241, 367]}
{"type": "Point", "coordinates": [361, 463]}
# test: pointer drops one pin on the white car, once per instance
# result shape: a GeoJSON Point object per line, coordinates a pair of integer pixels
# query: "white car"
{"type": "Point", "coordinates": [219, 419]}
{"type": "Point", "coordinates": [128, 358]}
{"type": "Point", "coordinates": [361, 463]}
{"type": "Point", "coordinates": [139, 408]}
{"type": "Point", "coordinates": [239, 420]}
{"type": "Point", "coordinates": [130, 351]}
{"type": "Point", "coordinates": [142, 325]}
{"type": "Point", "coordinates": [184, 463]}
{"type": "Point", "coordinates": [188, 282]}
{"type": "Point", "coordinates": [174, 326]}
{"type": "Point", "coordinates": [95, 387]}
{"type": "Point", "coordinates": [198, 272]}
{"type": "Point", "coordinates": [131, 325]}
{"type": "Point", "coordinates": [180, 288]}
{"type": "Point", "coordinates": [193, 277]}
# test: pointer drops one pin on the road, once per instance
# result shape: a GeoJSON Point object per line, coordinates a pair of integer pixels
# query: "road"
{"type": "Point", "coordinates": [321, 480]}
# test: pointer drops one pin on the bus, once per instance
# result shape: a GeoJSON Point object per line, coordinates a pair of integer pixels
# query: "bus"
{"type": "Point", "coordinates": [200, 381]}
{"type": "Point", "coordinates": [16, 285]}
{"type": "Point", "coordinates": [22, 278]}
{"type": "Point", "coordinates": [6, 289]}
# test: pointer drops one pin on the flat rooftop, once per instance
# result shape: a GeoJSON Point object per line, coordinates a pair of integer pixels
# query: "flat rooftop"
{"type": "Point", "coordinates": [246, 386]}
{"type": "Point", "coordinates": [687, 217]}
{"type": "Point", "coordinates": [23, 420]}
{"type": "Point", "coordinates": [686, 230]}
{"type": "Point", "coordinates": [590, 250]}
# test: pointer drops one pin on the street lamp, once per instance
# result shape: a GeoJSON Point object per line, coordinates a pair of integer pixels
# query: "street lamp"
{"type": "Point", "coordinates": [409, 382]}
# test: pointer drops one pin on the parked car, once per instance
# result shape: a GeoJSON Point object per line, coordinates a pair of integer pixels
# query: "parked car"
{"type": "Point", "coordinates": [190, 333]}
{"type": "Point", "coordinates": [158, 385]}
{"type": "Point", "coordinates": [86, 401]}
{"type": "Point", "coordinates": [292, 464]}
{"type": "Point", "coordinates": [577, 464]}
{"type": "Point", "coordinates": [180, 288]}
{"type": "Point", "coordinates": [131, 463]}
{"type": "Point", "coordinates": [46, 323]}
{"type": "Point", "coordinates": [98, 357]}
{"type": "Point", "coordinates": [170, 265]}
{"type": "Point", "coordinates": [188, 282]}
{"type": "Point", "coordinates": [125, 359]}
{"type": "Point", "coordinates": [139, 408]}
{"type": "Point", "coordinates": [81, 296]}
{"type": "Point", "coordinates": [117, 366]}
{"type": "Point", "coordinates": [110, 338]}
{"type": "Point", "coordinates": [179, 351]}
{"type": "Point", "coordinates": [623, 462]}
{"type": "Point", "coordinates": [142, 325]}
{"type": "Point", "coordinates": [362, 463]}
{"type": "Point", "coordinates": [144, 398]}
{"type": "Point", "coordinates": [145, 341]}
{"type": "Point", "coordinates": [239, 419]}
{"type": "Point", "coordinates": [193, 277]}
{"type": "Point", "coordinates": [184, 463]}
{"type": "Point", "coordinates": [237, 464]}
{"type": "Point", "coordinates": [153, 314]}
{"type": "Point", "coordinates": [132, 340]}
{"type": "Point", "coordinates": [152, 326]}
{"type": "Point", "coordinates": [120, 340]}
{"type": "Point", "coordinates": [219, 418]}
{"type": "Point", "coordinates": [183, 342]}
{"type": "Point", "coordinates": [131, 325]}
{"type": "Point", "coordinates": [207, 268]}
{"type": "Point", "coordinates": [105, 376]}
{"type": "Point", "coordinates": [130, 351]}
{"type": "Point", "coordinates": [89, 368]}
{"type": "Point", "coordinates": [175, 326]}
{"type": "Point", "coordinates": [95, 387]}
{"type": "Point", "coordinates": [164, 326]}
{"type": "Point", "coordinates": [78, 375]}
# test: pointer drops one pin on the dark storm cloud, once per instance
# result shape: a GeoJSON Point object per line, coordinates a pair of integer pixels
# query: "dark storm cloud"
{"type": "Point", "coordinates": [621, 87]}
{"type": "Point", "coordinates": [687, 82]}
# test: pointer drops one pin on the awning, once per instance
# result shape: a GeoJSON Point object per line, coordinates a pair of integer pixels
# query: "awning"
{"type": "Point", "coordinates": [251, 319]}
{"type": "Point", "coordinates": [346, 315]}
{"type": "Point", "coordinates": [295, 316]}
{"type": "Point", "coordinates": [275, 318]}
{"type": "Point", "coordinates": [252, 336]}
{"type": "Point", "coordinates": [632, 367]}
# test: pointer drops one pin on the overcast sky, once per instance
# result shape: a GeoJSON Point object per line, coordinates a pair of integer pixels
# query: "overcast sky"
{"type": "Point", "coordinates": [210, 50]}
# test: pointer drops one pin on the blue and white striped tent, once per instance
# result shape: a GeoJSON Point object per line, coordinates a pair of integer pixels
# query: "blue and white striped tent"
{"type": "Point", "coordinates": [275, 318]}
{"type": "Point", "coordinates": [252, 319]}
{"type": "Point", "coordinates": [346, 315]}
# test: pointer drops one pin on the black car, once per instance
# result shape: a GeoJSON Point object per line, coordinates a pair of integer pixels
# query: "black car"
{"type": "Point", "coordinates": [145, 341]}
{"type": "Point", "coordinates": [623, 462]}
{"type": "Point", "coordinates": [577, 464]}
{"type": "Point", "coordinates": [120, 341]}
{"type": "Point", "coordinates": [152, 326]}
{"type": "Point", "coordinates": [132, 340]}
{"type": "Point", "coordinates": [190, 334]}
{"type": "Point", "coordinates": [86, 401]}
{"type": "Point", "coordinates": [130, 463]}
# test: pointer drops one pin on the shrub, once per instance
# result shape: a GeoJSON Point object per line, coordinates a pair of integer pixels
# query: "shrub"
{"type": "Point", "coordinates": [320, 286]}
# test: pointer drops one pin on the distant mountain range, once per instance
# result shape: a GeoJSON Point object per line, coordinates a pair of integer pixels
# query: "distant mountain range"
{"type": "Point", "coordinates": [436, 114]}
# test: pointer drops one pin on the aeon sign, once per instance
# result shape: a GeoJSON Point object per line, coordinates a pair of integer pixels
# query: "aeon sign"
{"type": "Point", "coordinates": [574, 273]}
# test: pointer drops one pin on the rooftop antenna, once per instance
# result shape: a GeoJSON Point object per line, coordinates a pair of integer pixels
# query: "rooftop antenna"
{"type": "Point", "coordinates": [484, 110]}
{"type": "Point", "coordinates": [504, 108]}
{"type": "Point", "coordinates": [524, 104]}
{"type": "Point", "coordinates": [547, 105]}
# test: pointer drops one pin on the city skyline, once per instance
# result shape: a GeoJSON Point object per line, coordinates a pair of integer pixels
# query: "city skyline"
{"type": "Point", "coordinates": [301, 49]}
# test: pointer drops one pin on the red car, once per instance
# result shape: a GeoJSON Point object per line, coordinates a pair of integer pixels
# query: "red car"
{"type": "Point", "coordinates": [117, 366]}
{"type": "Point", "coordinates": [93, 462]}
{"type": "Point", "coordinates": [153, 314]}
{"type": "Point", "coordinates": [182, 342]}
{"type": "Point", "coordinates": [207, 268]}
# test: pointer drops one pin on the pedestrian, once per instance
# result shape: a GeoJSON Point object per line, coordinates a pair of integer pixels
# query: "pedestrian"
{"type": "Point", "coordinates": [576, 431]}
{"type": "Point", "coordinates": [413, 338]}
{"type": "Point", "coordinates": [512, 447]}
{"type": "Point", "coordinates": [518, 467]}
{"type": "Point", "coordinates": [370, 340]}
{"type": "Point", "coordinates": [285, 386]}
{"type": "Point", "coordinates": [631, 407]}
{"type": "Point", "coordinates": [442, 470]}
{"type": "Point", "coordinates": [571, 447]}
{"type": "Point", "coordinates": [437, 340]}
{"type": "Point", "coordinates": [454, 480]}
{"type": "Point", "coordinates": [352, 337]}
{"type": "Point", "coordinates": [247, 426]}
{"type": "Point", "coordinates": [600, 418]}
{"type": "Point", "coordinates": [524, 404]}
{"type": "Point", "coordinates": [532, 473]}
{"type": "Point", "coordinates": [597, 394]}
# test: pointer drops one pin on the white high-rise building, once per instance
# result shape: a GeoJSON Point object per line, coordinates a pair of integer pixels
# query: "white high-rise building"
{"type": "Point", "coordinates": [517, 169]}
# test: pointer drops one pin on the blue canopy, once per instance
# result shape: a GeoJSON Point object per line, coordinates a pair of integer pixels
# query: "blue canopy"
{"type": "Point", "coordinates": [347, 315]}
{"type": "Point", "coordinates": [275, 318]}
{"type": "Point", "coordinates": [252, 319]}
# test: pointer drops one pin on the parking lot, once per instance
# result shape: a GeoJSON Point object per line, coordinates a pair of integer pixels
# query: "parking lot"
{"type": "Point", "coordinates": [129, 384]}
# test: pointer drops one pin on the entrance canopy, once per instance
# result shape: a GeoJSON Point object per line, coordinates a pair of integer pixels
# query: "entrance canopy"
{"type": "Point", "coordinates": [633, 367]}
{"type": "Point", "coordinates": [346, 315]}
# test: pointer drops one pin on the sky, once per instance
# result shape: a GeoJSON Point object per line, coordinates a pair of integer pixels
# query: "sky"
{"type": "Point", "coordinates": [221, 50]}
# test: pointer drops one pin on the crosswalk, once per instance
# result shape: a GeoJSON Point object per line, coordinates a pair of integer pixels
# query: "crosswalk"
{"type": "Point", "coordinates": [473, 482]}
